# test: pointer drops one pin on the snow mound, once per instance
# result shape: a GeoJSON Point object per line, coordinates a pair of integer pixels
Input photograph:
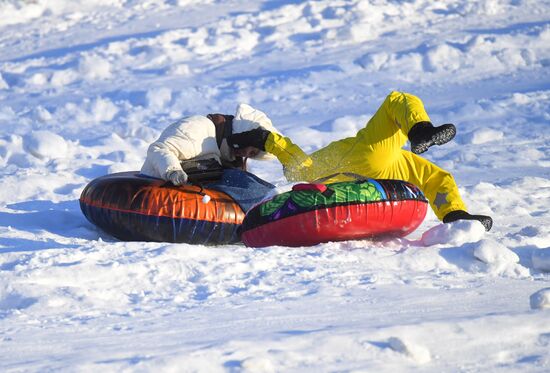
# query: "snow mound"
{"type": "Point", "coordinates": [45, 145]}
{"type": "Point", "coordinates": [485, 256]}
{"type": "Point", "coordinates": [541, 259]}
{"type": "Point", "coordinates": [3, 84]}
{"type": "Point", "coordinates": [373, 61]}
{"type": "Point", "coordinates": [485, 135]}
{"type": "Point", "coordinates": [456, 233]}
{"type": "Point", "coordinates": [492, 252]}
{"type": "Point", "coordinates": [444, 58]}
{"type": "Point", "coordinates": [158, 98]}
{"type": "Point", "coordinates": [499, 259]}
{"type": "Point", "coordinates": [15, 11]}
{"type": "Point", "coordinates": [348, 125]}
{"type": "Point", "coordinates": [417, 352]}
{"type": "Point", "coordinates": [540, 299]}
{"type": "Point", "coordinates": [258, 364]}
{"type": "Point", "coordinates": [94, 67]}
{"type": "Point", "coordinates": [11, 300]}
{"type": "Point", "coordinates": [62, 78]}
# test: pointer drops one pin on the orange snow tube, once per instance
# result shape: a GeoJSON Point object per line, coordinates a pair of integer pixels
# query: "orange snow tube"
{"type": "Point", "coordinates": [134, 207]}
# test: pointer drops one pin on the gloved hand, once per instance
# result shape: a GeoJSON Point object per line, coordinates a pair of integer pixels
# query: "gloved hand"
{"type": "Point", "coordinates": [256, 138]}
{"type": "Point", "coordinates": [177, 177]}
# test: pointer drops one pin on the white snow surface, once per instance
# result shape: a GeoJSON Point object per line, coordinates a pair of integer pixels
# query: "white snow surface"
{"type": "Point", "coordinates": [541, 299]}
{"type": "Point", "coordinates": [85, 86]}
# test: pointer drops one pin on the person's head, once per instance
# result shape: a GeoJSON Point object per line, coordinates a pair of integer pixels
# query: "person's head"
{"type": "Point", "coordinates": [246, 119]}
{"type": "Point", "coordinates": [247, 152]}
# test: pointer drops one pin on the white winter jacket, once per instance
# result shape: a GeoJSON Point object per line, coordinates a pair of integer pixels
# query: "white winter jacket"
{"type": "Point", "coordinates": [194, 138]}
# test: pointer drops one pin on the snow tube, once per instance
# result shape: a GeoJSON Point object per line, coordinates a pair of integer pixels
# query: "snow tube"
{"type": "Point", "coordinates": [315, 213]}
{"type": "Point", "coordinates": [134, 207]}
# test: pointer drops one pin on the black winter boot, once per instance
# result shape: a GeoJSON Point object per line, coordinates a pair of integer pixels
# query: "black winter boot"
{"type": "Point", "coordinates": [423, 135]}
{"type": "Point", "coordinates": [487, 221]}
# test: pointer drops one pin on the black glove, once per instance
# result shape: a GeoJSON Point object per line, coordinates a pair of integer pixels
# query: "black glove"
{"type": "Point", "coordinates": [256, 138]}
{"type": "Point", "coordinates": [452, 216]}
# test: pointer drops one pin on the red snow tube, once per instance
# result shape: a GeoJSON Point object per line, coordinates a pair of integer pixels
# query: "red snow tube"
{"type": "Point", "coordinates": [134, 207]}
{"type": "Point", "coordinates": [315, 213]}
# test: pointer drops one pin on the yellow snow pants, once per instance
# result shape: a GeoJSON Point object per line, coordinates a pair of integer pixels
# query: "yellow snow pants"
{"type": "Point", "coordinates": [375, 152]}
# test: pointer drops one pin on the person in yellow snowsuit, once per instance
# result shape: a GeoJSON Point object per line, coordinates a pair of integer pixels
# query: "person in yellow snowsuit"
{"type": "Point", "coordinates": [376, 151]}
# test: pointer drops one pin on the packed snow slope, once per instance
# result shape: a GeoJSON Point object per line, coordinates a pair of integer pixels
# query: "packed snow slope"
{"type": "Point", "coordinates": [86, 85]}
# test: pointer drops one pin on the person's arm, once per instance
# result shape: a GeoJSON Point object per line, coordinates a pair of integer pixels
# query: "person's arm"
{"type": "Point", "coordinates": [182, 140]}
{"type": "Point", "coordinates": [165, 157]}
{"type": "Point", "coordinates": [297, 165]}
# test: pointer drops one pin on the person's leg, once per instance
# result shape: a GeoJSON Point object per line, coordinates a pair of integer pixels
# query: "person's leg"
{"type": "Point", "coordinates": [379, 144]}
{"type": "Point", "coordinates": [372, 150]}
{"type": "Point", "coordinates": [438, 185]}
{"type": "Point", "coordinates": [406, 112]}
{"type": "Point", "coordinates": [387, 130]}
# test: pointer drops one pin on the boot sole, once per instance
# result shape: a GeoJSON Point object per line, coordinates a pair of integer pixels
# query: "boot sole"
{"type": "Point", "coordinates": [486, 221]}
{"type": "Point", "coordinates": [443, 136]}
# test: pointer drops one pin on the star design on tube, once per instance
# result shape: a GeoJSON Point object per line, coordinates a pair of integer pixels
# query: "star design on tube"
{"type": "Point", "coordinates": [440, 199]}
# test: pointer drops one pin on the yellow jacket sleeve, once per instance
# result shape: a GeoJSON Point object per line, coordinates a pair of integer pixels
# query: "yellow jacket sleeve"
{"type": "Point", "coordinates": [296, 164]}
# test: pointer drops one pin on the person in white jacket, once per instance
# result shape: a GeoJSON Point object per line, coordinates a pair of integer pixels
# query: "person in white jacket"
{"type": "Point", "coordinates": [203, 137]}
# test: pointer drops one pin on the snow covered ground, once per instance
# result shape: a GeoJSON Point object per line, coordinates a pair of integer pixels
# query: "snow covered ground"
{"type": "Point", "coordinates": [85, 85]}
